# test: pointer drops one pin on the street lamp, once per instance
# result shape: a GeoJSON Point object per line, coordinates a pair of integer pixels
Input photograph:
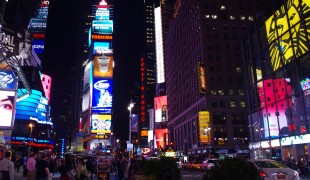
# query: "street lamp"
{"type": "Point", "coordinates": [129, 108]}
{"type": "Point", "coordinates": [29, 147]}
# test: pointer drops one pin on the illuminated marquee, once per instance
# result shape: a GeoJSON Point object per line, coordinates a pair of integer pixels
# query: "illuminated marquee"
{"type": "Point", "coordinates": [142, 90]}
{"type": "Point", "coordinates": [285, 41]}
{"type": "Point", "coordinates": [101, 37]}
{"type": "Point", "coordinates": [102, 26]}
{"type": "Point", "coordinates": [202, 77]}
{"type": "Point", "coordinates": [101, 123]}
{"type": "Point", "coordinates": [204, 126]}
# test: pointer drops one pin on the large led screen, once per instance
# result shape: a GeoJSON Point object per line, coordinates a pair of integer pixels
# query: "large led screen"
{"type": "Point", "coordinates": [284, 40]}
{"type": "Point", "coordinates": [161, 138]}
{"type": "Point", "coordinates": [102, 14]}
{"type": "Point", "coordinates": [86, 87]}
{"type": "Point", "coordinates": [7, 104]}
{"type": "Point", "coordinates": [7, 79]}
{"type": "Point", "coordinates": [102, 96]}
{"type": "Point", "coordinates": [102, 26]}
{"type": "Point", "coordinates": [204, 126]}
{"type": "Point", "coordinates": [38, 46]}
{"type": "Point", "coordinates": [160, 69]}
{"type": "Point", "coordinates": [160, 104]}
{"type": "Point", "coordinates": [34, 107]}
{"type": "Point", "coordinates": [102, 48]}
{"type": "Point", "coordinates": [101, 123]}
{"type": "Point", "coordinates": [103, 66]}
{"type": "Point", "coordinates": [38, 25]}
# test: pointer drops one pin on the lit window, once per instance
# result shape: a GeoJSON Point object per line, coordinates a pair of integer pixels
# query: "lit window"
{"type": "Point", "coordinates": [232, 103]}
{"type": "Point", "coordinates": [231, 92]}
{"type": "Point", "coordinates": [207, 16]}
{"type": "Point", "coordinates": [242, 18]}
{"type": "Point", "coordinates": [242, 104]}
{"type": "Point", "coordinates": [214, 16]}
{"type": "Point", "coordinates": [221, 92]}
{"type": "Point", "coordinates": [251, 18]}
{"type": "Point", "coordinates": [232, 17]}
{"type": "Point", "coordinates": [213, 92]}
{"type": "Point", "coordinates": [223, 7]}
{"type": "Point", "coordinates": [240, 92]}
{"type": "Point", "coordinates": [238, 69]}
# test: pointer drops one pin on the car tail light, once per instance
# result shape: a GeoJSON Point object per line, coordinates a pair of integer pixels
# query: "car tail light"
{"type": "Point", "coordinates": [262, 173]}
{"type": "Point", "coordinates": [296, 174]}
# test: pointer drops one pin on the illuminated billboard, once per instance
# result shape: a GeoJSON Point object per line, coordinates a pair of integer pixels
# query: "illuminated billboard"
{"type": "Point", "coordinates": [38, 46]}
{"type": "Point", "coordinates": [102, 26]}
{"type": "Point", "coordinates": [202, 77]}
{"type": "Point", "coordinates": [42, 13]}
{"type": "Point", "coordinates": [7, 79]}
{"type": "Point", "coordinates": [38, 25]}
{"type": "Point", "coordinates": [87, 87]}
{"type": "Point", "coordinates": [102, 95]}
{"type": "Point", "coordinates": [286, 40]}
{"type": "Point", "coordinates": [159, 46]}
{"type": "Point", "coordinates": [161, 138]}
{"type": "Point", "coordinates": [34, 107]}
{"type": "Point", "coordinates": [99, 37]}
{"type": "Point", "coordinates": [101, 123]}
{"type": "Point", "coordinates": [160, 104]}
{"type": "Point", "coordinates": [102, 14]}
{"type": "Point", "coordinates": [101, 48]}
{"type": "Point", "coordinates": [103, 66]}
{"type": "Point", "coordinates": [204, 127]}
{"type": "Point", "coordinates": [7, 111]}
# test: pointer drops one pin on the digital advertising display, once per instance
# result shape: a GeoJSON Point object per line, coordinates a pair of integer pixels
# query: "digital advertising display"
{"type": "Point", "coordinates": [102, 95]}
{"type": "Point", "coordinates": [101, 123]}
{"type": "Point", "coordinates": [160, 104]}
{"type": "Point", "coordinates": [35, 107]}
{"type": "Point", "coordinates": [102, 14]}
{"type": "Point", "coordinates": [202, 77]}
{"type": "Point", "coordinates": [204, 127]}
{"type": "Point", "coordinates": [7, 111]}
{"type": "Point", "coordinates": [160, 69]}
{"type": "Point", "coordinates": [38, 46]}
{"type": "Point", "coordinates": [87, 87]}
{"type": "Point", "coordinates": [7, 79]}
{"type": "Point", "coordinates": [42, 13]}
{"type": "Point", "coordinates": [102, 26]}
{"type": "Point", "coordinates": [101, 48]}
{"type": "Point", "coordinates": [283, 41]}
{"type": "Point", "coordinates": [103, 66]}
{"type": "Point", "coordinates": [38, 25]}
{"type": "Point", "coordinates": [161, 138]}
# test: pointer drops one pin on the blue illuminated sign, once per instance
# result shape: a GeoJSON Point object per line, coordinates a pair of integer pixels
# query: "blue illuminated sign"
{"type": "Point", "coordinates": [102, 48]}
{"type": "Point", "coordinates": [102, 95]}
{"type": "Point", "coordinates": [102, 14]}
{"type": "Point", "coordinates": [102, 26]}
{"type": "Point", "coordinates": [7, 79]}
{"type": "Point", "coordinates": [38, 46]}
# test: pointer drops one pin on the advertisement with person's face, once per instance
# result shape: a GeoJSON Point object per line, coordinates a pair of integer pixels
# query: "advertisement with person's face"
{"type": "Point", "coordinates": [7, 101]}
{"type": "Point", "coordinates": [160, 103]}
{"type": "Point", "coordinates": [101, 123]}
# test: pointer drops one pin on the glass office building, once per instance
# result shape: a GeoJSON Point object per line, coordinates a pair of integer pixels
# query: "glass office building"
{"type": "Point", "coordinates": [277, 76]}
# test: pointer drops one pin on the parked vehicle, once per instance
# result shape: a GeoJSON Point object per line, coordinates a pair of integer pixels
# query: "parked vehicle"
{"type": "Point", "coordinates": [271, 169]}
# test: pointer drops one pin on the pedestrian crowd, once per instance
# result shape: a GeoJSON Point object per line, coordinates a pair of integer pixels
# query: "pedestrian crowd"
{"type": "Point", "coordinates": [302, 165]}
{"type": "Point", "coordinates": [37, 166]}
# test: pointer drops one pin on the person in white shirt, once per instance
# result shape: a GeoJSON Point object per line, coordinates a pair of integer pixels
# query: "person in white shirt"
{"type": "Point", "coordinates": [7, 167]}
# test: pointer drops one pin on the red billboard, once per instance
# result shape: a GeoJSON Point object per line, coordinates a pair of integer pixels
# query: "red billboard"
{"type": "Point", "coordinates": [161, 138]}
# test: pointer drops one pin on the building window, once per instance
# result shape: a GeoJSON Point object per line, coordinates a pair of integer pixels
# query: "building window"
{"type": "Point", "coordinates": [231, 92]}
{"type": "Point", "coordinates": [238, 69]}
{"type": "Point", "coordinates": [214, 16]}
{"type": "Point", "coordinates": [207, 16]}
{"type": "Point", "coordinates": [232, 17]}
{"type": "Point", "coordinates": [240, 92]}
{"type": "Point", "coordinates": [242, 104]}
{"type": "Point", "coordinates": [242, 18]}
{"type": "Point", "coordinates": [213, 92]}
{"type": "Point", "coordinates": [232, 104]}
{"type": "Point", "coordinates": [221, 92]}
{"type": "Point", "coordinates": [223, 7]}
{"type": "Point", "coordinates": [251, 18]}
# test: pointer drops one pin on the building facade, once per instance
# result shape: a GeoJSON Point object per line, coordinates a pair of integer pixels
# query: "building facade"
{"type": "Point", "coordinates": [276, 63]}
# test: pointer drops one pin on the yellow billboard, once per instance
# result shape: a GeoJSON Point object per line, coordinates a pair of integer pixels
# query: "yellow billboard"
{"type": "Point", "coordinates": [101, 123]}
{"type": "Point", "coordinates": [204, 127]}
{"type": "Point", "coordinates": [286, 34]}
{"type": "Point", "coordinates": [103, 66]}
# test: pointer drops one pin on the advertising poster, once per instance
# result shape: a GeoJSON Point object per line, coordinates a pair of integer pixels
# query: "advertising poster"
{"type": "Point", "coordinates": [38, 46]}
{"type": "Point", "coordinates": [102, 26]}
{"type": "Point", "coordinates": [160, 104]}
{"type": "Point", "coordinates": [96, 143]}
{"type": "Point", "coordinates": [202, 77]}
{"type": "Point", "coordinates": [103, 66]}
{"type": "Point", "coordinates": [161, 138]}
{"type": "Point", "coordinates": [38, 25]}
{"type": "Point", "coordinates": [134, 122]}
{"type": "Point", "coordinates": [34, 107]}
{"type": "Point", "coordinates": [101, 48]}
{"type": "Point", "coordinates": [7, 78]}
{"type": "Point", "coordinates": [86, 87]}
{"type": "Point", "coordinates": [204, 126]}
{"type": "Point", "coordinates": [101, 123]}
{"type": "Point", "coordinates": [7, 108]}
{"type": "Point", "coordinates": [102, 95]}
{"type": "Point", "coordinates": [102, 14]}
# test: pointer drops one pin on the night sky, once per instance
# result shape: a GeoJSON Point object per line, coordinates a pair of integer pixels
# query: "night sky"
{"type": "Point", "coordinates": [61, 54]}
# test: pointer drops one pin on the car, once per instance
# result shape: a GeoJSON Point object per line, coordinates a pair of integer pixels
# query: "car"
{"type": "Point", "coordinates": [178, 162]}
{"type": "Point", "coordinates": [271, 169]}
{"type": "Point", "coordinates": [209, 163]}
{"type": "Point", "coordinates": [187, 165]}
{"type": "Point", "coordinates": [195, 165]}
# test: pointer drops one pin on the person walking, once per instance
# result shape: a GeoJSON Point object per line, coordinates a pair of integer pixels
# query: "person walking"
{"type": "Point", "coordinates": [7, 167]}
{"type": "Point", "coordinates": [42, 171]}
{"type": "Point", "coordinates": [81, 170]}
{"type": "Point", "coordinates": [31, 167]}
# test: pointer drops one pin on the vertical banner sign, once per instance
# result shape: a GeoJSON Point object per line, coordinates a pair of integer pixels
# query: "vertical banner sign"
{"type": "Point", "coordinates": [134, 122]}
{"type": "Point", "coordinates": [204, 127]}
{"type": "Point", "coordinates": [142, 103]}
{"type": "Point", "coordinates": [202, 77]}
{"type": "Point", "coordinates": [151, 119]}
